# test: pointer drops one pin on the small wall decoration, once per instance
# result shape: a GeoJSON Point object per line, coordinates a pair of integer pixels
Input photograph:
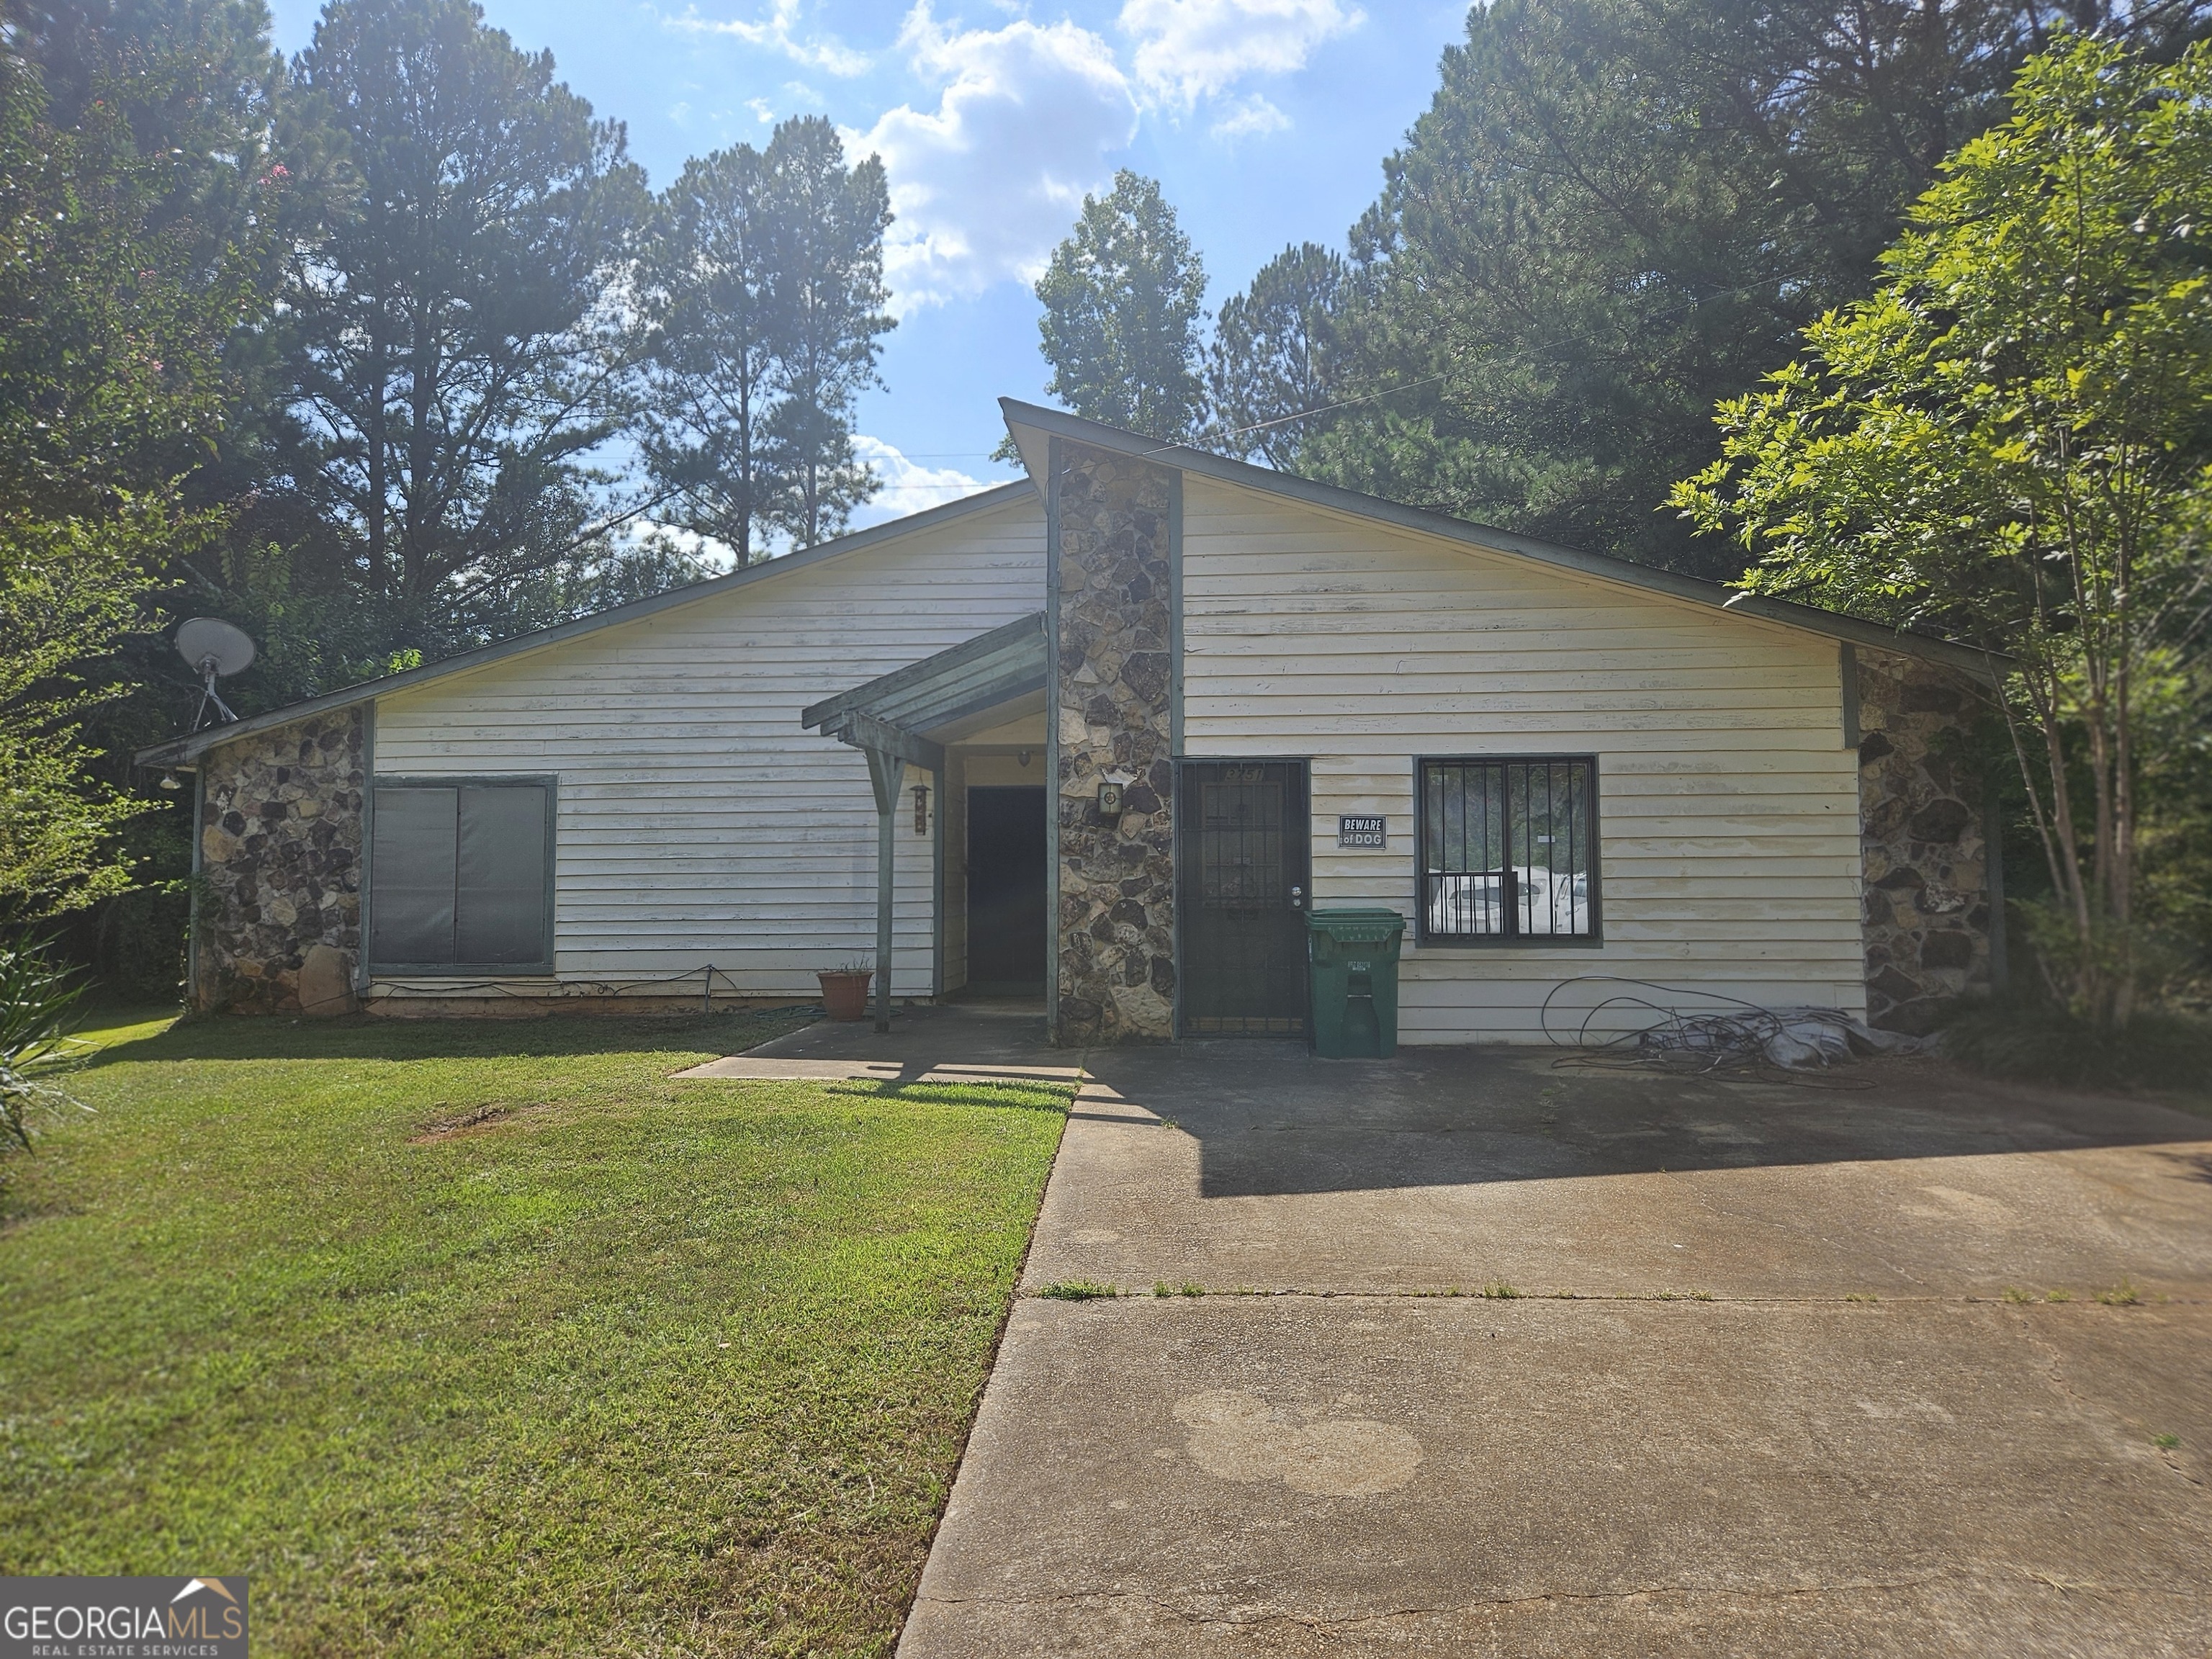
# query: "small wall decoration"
{"type": "Point", "coordinates": [1363, 832]}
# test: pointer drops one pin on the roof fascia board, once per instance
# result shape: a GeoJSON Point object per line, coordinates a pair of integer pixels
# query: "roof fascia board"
{"type": "Point", "coordinates": [180, 752]}
{"type": "Point", "coordinates": [1694, 589]}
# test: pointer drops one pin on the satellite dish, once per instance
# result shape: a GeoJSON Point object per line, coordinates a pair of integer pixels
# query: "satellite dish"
{"type": "Point", "coordinates": [214, 647]}
{"type": "Point", "coordinates": [216, 651]}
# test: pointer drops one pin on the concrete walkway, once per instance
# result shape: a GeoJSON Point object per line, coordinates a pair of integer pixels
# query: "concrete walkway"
{"type": "Point", "coordinates": [1787, 1409]}
{"type": "Point", "coordinates": [975, 1043]}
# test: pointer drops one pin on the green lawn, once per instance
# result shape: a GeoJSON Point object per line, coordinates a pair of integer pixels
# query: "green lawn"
{"type": "Point", "coordinates": [628, 1366]}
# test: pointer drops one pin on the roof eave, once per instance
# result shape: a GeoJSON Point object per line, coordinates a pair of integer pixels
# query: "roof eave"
{"type": "Point", "coordinates": [184, 752]}
{"type": "Point", "coordinates": [1056, 423]}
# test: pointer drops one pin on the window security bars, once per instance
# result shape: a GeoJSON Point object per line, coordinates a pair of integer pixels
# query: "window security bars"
{"type": "Point", "coordinates": [1241, 842]}
{"type": "Point", "coordinates": [1509, 849]}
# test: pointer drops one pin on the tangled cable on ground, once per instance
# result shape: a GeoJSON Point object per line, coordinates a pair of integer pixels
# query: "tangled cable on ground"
{"type": "Point", "coordinates": [1728, 1036]}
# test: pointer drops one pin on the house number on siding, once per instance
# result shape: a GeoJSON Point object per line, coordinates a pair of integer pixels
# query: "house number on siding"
{"type": "Point", "coordinates": [1363, 832]}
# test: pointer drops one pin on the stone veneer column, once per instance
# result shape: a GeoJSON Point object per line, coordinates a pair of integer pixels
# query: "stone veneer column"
{"type": "Point", "coordinates": [1924, 855]}
{"type": "Point", "coordinates": [1114, 935]}
{"type": "Point", "coordinates": [280, 857]}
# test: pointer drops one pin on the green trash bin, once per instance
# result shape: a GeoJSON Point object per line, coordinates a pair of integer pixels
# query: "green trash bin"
{"type": "Point", "coordinates": [1354, 954]}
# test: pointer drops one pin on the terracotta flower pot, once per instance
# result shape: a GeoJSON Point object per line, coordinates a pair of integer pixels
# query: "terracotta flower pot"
{"type": "Point", "coordinates": [845, 995]}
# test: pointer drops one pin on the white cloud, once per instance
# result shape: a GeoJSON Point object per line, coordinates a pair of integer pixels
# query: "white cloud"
{"type": "Point", "coordinates": [1187, 50]}
{"type": "Point", "coordinates": [1249, 116]}
{"type": "Point", "coordinates": [908, 486]}
{"type": "Point", "coordinates": [762, 111]}
{"type": "Point", "coordinates": [986, 184]}
{"type": "Point", "coordinates": [779, 32]}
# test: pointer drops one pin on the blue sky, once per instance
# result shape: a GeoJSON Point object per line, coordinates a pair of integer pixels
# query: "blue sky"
{"type": "Point", "coordinates": [1265, 121]}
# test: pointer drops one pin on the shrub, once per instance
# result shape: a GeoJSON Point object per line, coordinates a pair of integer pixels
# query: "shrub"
{"type": "Point", "coordinates": [2028, 1038]}
{"type": "Point", "coordinates": [35, 1000]}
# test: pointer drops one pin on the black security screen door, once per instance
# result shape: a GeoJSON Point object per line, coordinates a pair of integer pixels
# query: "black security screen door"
{"type": "Point", "coordinates": [1243, 840]}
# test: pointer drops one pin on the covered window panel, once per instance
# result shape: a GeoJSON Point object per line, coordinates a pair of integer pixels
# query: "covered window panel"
{"type": "Point", "coordinates": [499, 900]}
{"type": "Point", "coordinates": [413, 861]}
{"type": "Point", "coordinates": [459, 876]}
{"type": "Point", "coordinates": [1509, 849]}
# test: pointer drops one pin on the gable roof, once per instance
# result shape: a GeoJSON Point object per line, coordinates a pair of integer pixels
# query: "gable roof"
{"type": "Point", "coordinates": [1058, 423]}
{"type": "Point", "coordinates": [183, 751]}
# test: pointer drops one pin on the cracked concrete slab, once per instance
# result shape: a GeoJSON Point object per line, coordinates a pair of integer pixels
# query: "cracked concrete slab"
{"type": "Point", "coordinates": [1351, 1460]}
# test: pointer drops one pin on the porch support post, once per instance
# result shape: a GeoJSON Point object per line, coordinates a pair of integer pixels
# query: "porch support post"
{"type": "Point", "coordinates": [885, 772]}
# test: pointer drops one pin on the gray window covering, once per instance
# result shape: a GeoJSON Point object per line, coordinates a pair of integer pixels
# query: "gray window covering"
{"type": "Point", "coordinates": [500, 901]}
{"type": "Point", "coordinates": [414, 865]}
{"type": "Point", "coordinates": [459, 876]}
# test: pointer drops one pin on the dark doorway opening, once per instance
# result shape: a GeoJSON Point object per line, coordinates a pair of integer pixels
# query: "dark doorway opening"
{"type": "Point", "coordinates": [1244, 839]}
{"type": "Point", "coordinates": [1006, 890]}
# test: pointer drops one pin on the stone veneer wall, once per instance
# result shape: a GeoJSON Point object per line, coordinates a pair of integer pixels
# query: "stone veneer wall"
{"type": "Point", "coordinates": [1925, 857]}
{"type": "Point", "coordinates": [1115, 934]}
{"type": "Point", "coordinates": [281, 856]}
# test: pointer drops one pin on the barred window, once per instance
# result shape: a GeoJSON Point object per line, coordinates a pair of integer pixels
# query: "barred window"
{"type": "Point", "coordinates": [1509, 849]}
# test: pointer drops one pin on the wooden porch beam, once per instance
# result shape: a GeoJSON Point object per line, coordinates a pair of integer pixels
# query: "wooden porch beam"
{"type": "Point", "coordinates": [864, 732]}
{"type": "Point", "coordinates": [887, 771]}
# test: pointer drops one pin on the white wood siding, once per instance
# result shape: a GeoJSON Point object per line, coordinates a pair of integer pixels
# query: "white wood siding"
{"type": "Point", "coordinates": [1728, 806]}
{"type": "Point", "coordinates": [698, 823]}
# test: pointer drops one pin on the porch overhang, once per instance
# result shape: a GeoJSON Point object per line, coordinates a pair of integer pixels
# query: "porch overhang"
{"type": "Point", "coordinates": [924, 704]}
{"type": "Point", "coordinates": [906, 717]}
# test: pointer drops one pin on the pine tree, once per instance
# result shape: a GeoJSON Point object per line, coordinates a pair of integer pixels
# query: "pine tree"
{"type": "Point", "coordinates": [1273, 353]}
{"type": "Point", "coordinates": [1616, 211]}
{"type": "Point", "coordinates": [457, 361]}
{"type": "Point", "coordinates": [712, 338]}
{"type": "Point", "coordinates": [829, 279]}
{"type": "Point", "coordinates": [764, 296]}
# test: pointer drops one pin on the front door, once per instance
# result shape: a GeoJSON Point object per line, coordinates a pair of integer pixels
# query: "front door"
{"type": "Point", "coordinates": [1006, 890]}
{"type": "Point", "coordinates": [1244, 842]}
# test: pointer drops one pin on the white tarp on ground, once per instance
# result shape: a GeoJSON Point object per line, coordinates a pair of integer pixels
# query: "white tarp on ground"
{"type": "Point", "coordinates": [1823, 1037]}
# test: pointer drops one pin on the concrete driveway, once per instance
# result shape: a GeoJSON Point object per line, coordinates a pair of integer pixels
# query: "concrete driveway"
{"type": "Point", "coordinates": [1759, 1388]}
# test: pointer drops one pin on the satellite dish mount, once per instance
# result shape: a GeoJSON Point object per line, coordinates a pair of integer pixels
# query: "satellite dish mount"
{"type": "Point", "coordinates": [216, 651]}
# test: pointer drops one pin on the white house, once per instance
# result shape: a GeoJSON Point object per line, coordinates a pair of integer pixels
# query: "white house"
{"type": "Point", "coordinates": [1103, 736]}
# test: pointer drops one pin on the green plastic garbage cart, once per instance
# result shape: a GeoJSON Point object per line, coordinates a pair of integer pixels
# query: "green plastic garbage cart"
{"type": "Point", "coordinates": [1354, 955]}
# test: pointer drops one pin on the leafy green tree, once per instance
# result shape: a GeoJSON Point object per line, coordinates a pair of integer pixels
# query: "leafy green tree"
{"type": "Point", "coordinates": [1124, 299]}
{"type": "Point", "coordinates": [457, 357]}
{"type": "Point", "coordinates": [194, 83]}
{"type": "Point", "coordinates": [2012, 440]}
{"type": "Point", "coordinates": [117, 297]}
{"type": "Point", "coordinates": [1270, 358]}
{"type": "Point", "coordinates": [1616, 212]}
